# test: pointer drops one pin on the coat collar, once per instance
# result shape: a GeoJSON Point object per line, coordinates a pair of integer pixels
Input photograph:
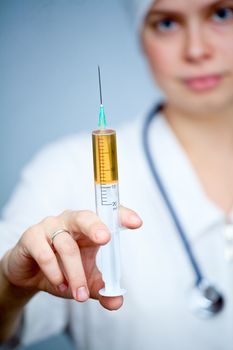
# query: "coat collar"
{"type": "Point", "coordinates": [196, 212]}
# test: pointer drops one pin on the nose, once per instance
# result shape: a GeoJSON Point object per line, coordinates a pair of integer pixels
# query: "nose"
{"type": "Point", "coordinates": [197, 46]}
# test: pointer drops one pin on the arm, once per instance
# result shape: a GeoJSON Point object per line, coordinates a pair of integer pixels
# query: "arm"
{"type": "Point", "coordinates": [12, 301]}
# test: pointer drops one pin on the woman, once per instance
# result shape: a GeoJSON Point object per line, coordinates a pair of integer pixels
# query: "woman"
{"type": "Point", "coordinates": [189, 47]}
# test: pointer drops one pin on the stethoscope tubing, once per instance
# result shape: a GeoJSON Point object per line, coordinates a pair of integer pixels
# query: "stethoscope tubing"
{"type": "Point", "coordinates": [179, 228]}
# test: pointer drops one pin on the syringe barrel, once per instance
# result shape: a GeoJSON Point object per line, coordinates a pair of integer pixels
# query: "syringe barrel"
{"type": "Point", "coordinates": [107, 205]}
{"type": "Point", "coordinates": [105, 156]}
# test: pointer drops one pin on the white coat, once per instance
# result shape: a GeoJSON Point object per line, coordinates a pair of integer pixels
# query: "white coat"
{"type": "Point", "coordinates": [156, 272]}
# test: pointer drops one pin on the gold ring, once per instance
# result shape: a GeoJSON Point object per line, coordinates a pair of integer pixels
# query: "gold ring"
{"type": "Point", "coordinates": [54, 234]}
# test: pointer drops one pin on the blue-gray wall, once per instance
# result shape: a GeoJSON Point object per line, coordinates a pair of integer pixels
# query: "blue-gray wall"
{"type": "Point", "coordinates": [49, 51]}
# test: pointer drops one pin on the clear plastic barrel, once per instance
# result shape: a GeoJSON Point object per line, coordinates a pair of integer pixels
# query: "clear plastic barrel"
{"type": "Point", "coordinates": [107, 205]}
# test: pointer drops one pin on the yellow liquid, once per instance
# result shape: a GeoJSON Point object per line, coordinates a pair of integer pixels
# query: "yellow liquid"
{"type": "Point", "coordinates": [105, 156]}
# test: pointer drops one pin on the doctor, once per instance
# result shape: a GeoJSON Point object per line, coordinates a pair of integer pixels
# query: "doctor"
{"type": "Point", "coordinates": [177, 268]}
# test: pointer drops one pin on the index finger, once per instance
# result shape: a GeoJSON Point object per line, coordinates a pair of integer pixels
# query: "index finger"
{"type": "Point", "coordinates": [87, 223]}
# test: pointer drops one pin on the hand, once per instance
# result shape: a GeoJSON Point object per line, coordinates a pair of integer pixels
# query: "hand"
{"type": "Point", "coordinates": [66, 268]}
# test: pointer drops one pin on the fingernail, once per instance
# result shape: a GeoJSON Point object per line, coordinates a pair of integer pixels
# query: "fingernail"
{"type": "Point", "coordinates": [62, 287]}
{"type": "Point", "coordinates": [82, 294]}
{"type": "Point", "coordinates": [100, 234]}
{"type": "Point", "coordinates": [134, 219]}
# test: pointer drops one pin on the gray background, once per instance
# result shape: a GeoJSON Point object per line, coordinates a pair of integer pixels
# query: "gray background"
{"type": "Point", "coordinates": [49, 54]}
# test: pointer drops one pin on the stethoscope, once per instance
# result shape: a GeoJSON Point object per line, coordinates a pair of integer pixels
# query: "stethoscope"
{"type": "Point", "coordinates": [206, 300]}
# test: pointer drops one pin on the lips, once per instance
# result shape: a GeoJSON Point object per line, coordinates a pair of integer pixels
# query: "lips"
{"type": "Point", "coordinates": [203, 83]}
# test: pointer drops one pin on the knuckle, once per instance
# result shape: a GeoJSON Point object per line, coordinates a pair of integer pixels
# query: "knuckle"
{"type": "Point", "coordinates": [65, 213]}
{"type": "Point", "coordinates": [77, 278]}
{"type": "Point", "coordinates": [83, 214]}
{"type": "Point", "coordinates": [57, 278]}
{"type": "Point", "coordinates": [32, 231]}
{"type": "Point", "coordinates": [67, 247]}
{"type": "Point", "coordinates": [96, 226]}
{"type": "Point", "coordinates": [50, 221]}
{"type": "Point", "coordinates": [44, 257]}
{"type": "Point", "coordinates": [29, 234]}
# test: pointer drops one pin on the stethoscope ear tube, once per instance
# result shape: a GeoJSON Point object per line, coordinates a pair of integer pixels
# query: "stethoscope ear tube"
{"type": "Point", "coordinates": [206, 300]}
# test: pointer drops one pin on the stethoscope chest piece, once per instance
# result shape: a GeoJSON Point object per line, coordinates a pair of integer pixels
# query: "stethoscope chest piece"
{"type": "Point", "coordinates": [205, 300]}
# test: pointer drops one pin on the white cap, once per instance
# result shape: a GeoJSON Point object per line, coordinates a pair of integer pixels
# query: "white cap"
{"type": "Point", "coordinates": [138, 10]}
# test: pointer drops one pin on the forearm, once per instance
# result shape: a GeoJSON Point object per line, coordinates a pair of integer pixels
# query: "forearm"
{"type": "Point", "coordinates": [12, 301]}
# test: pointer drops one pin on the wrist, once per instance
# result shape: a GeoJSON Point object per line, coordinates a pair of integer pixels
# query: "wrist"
{"type": "Point", "coordinates": [12, 301]}
{"type": "Point", "coordinates": [13, 295]}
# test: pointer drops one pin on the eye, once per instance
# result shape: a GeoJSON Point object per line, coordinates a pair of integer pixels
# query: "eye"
{"type": "Point", "coordinates": [222, 14]}
{"type": "Point", "coordinates": [166, 25]}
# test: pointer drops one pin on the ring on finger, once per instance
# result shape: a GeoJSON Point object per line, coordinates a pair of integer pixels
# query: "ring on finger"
{"type": "Point", "coordinates": [57, 232]}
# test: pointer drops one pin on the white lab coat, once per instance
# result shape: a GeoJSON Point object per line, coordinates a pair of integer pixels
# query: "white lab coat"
{"type": "Point", "coordinates": [156, 273]}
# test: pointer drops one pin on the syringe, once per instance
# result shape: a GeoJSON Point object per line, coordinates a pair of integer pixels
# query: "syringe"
{"type": "Point", "coordinates": [107, 201]}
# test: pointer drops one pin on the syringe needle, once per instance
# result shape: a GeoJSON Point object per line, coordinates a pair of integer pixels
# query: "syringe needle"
{"type": "Point", "coordinates": [101, 101]}
{"type": "Point", "coordinates": [102, 118]}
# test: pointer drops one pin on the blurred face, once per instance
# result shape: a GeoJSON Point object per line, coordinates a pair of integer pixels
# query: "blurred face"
{"type": "Point", "coordinates": [189, 46]}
